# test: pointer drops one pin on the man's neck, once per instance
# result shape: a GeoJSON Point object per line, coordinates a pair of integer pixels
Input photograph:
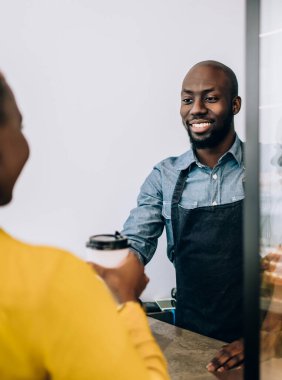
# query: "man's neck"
{"type": "Point", "coordinates": [210, 156]}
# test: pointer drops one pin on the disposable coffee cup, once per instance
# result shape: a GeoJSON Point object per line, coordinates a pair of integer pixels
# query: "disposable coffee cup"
{"type": "Point", "coordinates": [107, 250]}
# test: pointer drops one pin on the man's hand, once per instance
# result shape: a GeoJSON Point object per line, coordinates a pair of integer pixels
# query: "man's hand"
{"type": "Point", "coordinates": [127, 281]}
{"type": "Point", "coordinates": [229, 356]}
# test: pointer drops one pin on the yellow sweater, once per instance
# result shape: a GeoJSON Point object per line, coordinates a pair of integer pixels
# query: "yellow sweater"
{"type": "Point", "coordinates": [58, 319]}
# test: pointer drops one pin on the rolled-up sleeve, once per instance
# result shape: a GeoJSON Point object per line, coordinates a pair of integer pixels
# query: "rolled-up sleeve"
{"type": "Point", "coordinates": [145, 223]}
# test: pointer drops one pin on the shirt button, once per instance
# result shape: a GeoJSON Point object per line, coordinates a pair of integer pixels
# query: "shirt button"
{"type": "Point", "coordinates": [214, 176]}
{"type": "Point", "coordinates": [214, 203]}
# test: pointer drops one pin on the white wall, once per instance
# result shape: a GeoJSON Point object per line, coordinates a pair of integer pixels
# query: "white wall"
{"type": "Point", "coordinates": [99, 83]}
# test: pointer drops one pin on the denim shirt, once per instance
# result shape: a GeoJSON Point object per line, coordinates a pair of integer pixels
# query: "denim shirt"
{"type": "Point", "coordinates": [204, 187]}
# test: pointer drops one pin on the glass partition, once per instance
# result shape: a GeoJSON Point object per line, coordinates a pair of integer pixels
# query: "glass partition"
{"type": "Point", "coordinates": [270, 177]}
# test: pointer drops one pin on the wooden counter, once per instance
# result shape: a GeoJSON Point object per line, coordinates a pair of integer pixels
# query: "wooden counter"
{"type": "Point", "coordinates": [188, 353]}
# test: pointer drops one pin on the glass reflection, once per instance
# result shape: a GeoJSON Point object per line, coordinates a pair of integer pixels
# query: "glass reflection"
{"type": "Point", "coordinates": [271, 189]}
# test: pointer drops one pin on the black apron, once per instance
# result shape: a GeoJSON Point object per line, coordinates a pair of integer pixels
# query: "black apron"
{"type": "Point", "coordinates": [208, 259]}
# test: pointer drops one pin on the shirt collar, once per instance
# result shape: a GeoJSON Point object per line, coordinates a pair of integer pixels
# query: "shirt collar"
{"type": "Point", "coordinates": [188, 158]}
{"type": "Point", "coordinates": [236, 151]}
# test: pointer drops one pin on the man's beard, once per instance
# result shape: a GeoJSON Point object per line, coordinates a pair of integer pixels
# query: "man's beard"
{"type": "Point", "coordinates": [214, 138]}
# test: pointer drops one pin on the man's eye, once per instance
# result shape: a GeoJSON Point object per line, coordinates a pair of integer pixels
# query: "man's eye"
{"type": "Point", "coordinates": [211, 99]}
{"type": "Point", "coordinates": [187, 101]}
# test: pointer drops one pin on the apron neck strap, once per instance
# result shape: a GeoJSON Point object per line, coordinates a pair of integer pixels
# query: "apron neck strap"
{"type": "Point", "coordinates": [180, 184]}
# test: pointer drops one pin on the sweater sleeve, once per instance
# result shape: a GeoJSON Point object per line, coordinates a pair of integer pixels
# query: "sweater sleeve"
{"type": "Point", "coordinates": [83, 336]}
{"type": "Point", "coordinates": [140, 334]}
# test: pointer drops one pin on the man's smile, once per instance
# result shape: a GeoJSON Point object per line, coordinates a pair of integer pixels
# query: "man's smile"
{"type": "Point", "coordinates": [200, 126]}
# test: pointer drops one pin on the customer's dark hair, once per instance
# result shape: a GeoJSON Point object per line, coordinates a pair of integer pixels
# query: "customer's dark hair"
{"type": "Point", "coordinates": [2, 98]}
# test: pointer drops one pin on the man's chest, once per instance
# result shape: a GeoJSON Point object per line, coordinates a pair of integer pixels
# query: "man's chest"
{"type": "Point", "coordinates": [208, 187]}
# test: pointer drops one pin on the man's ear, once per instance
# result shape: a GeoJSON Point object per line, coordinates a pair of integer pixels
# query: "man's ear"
{"type": "Point", "coordinates": [236, 105]}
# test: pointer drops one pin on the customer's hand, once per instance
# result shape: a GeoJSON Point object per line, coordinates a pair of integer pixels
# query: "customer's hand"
{"type": "Point", "coordinates": [229, 356]}
{"type": "Point", "coordinates": [127, 281]}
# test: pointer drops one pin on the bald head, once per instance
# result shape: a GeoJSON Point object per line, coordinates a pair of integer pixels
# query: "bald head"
{"type": "Point", "coordinates": [230, 75]}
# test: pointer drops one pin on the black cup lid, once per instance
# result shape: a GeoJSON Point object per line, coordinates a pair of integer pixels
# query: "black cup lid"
{"type": "Point", "coordinates": [107, 241]}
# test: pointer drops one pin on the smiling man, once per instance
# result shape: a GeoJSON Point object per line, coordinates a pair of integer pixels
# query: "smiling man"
{"type": "Point", "coordinates": [198, 198]}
